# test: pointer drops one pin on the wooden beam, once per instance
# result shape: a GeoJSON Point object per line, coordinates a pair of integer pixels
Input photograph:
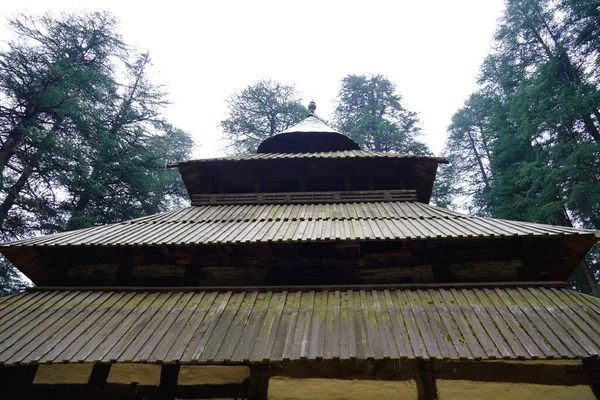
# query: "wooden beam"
{"type": "Point", "coordinates": [169, 374]}
{"type": "Point", "coordinates": [16, 382]}
{"type": "Point", "coordinates": [97, 381]}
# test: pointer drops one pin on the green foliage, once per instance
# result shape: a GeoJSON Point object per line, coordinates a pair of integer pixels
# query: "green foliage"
{"type": "Point", "coordinates": [527, 143]}
{"type": "Point", "coordinates": [258, 112]}
{"type": "Point", "coordinates": [82, 139]}
{"type": "Point", "coordinates": [369, 111]}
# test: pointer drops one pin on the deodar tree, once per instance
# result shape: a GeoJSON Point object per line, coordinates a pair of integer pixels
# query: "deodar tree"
{"type": "Point", "coordinates": [527, 143]}
{"type": "Point", "coordinates": [370, 112]}
{"type": "Point", "coordinates": [82, 138]}
{"type": "Point", "coordinates": [259, 111]}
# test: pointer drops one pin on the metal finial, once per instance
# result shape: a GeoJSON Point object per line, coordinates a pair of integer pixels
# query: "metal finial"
{"type": "Point", "coordinates": [311, 108]}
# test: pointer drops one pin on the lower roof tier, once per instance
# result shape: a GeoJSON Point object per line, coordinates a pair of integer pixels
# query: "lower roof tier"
{"type": "Point", "coordinates": [258, 223]}
{"type": "Point", "coordinates": [194, 326]}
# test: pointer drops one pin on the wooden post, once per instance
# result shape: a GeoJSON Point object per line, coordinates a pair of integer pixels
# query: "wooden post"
{"type": "Point", "coordinates": [97, 380]}
{"type": "Point", "coordinates": [591, 366]}
{"type": "Point", "coordinates": [258, 385]}
{"type": "Point", "coordinates": [15, 382]}
{"type": "Point", "coordinates": [169, 374]}
{"type": "Point", "coordinates": [425, 375]}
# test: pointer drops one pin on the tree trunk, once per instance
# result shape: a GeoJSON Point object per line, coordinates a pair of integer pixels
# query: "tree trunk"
{"type": "Point", "coordinates": [13, 192]}
{"type": "Point", "coordinates": [479, 162]}
{"type": "Point", "coordinates": [15, 139]}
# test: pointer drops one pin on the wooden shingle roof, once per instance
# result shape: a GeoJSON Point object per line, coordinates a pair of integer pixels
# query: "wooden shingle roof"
{"type": "Point", "coordinates": [256, 223]}
{"type": "Point", "coordinates": [203, 326]}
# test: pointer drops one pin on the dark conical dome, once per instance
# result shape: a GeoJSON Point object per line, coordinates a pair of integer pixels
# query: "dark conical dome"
{"type": "Point", "coordinates": [308, 136]}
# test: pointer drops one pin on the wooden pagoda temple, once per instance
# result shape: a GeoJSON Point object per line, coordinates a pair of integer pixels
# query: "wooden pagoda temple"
{"type": "Point", "coordinates": [309, 270]}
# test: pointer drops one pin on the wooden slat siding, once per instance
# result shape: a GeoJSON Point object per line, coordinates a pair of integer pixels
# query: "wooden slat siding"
{"type": "Point", "coordinates": [553, 325]}
{"type": "Point", "coordinates": [495, 326]}
{"type": "Point", "coordinates": [525, 320]}
{"type": "Point", "coordinates": [482, 336]}
{"type": "Point", "coordinates": [11, 339]}
{"type": "Point", "coordinates": [231, 340]}
{"type": "Point", "coordinates": [304, 197]}
{"type": "Point", "coordinates": [242, 327]}
{"type": "Point", "coordinates": [249, 337]}
{"type": "Point", "coordinates": [400, 333]}
{"type": "Point", "coordinates": [317, 332]}
{"type": "Point", "coordinates": [171, 321]}
{"type": "Point", "coordinates": [447, 350]}
{"type": "Point", "coordinates": [116, 329]}
{"type": "Point", "coordinates": [220, 327]}
{"type": "Point", "coordinates": [263, 348]}
{"type": "Point", "coordinates": [540, 323]}
{"type": "Point", "coordinates": [289, 318]}
{"type": "Point", "coordinates": [86, 314]}
{"type": "Point", "coordinates": [514, 325]}
{"type": "Point", "coordinates": [296, 223]}
{"type": "Point", "coordinates": [143, 332]}
{"type": "Point", "coordinates": [466, 335]}
{"type": "Point", "coordinates": [74, 337]}
{"type": "Point", "coordinates": [452, 332]}
{"type": "Point", "coordinates": [570, 321]}
{"type": "Point", "coordinates": [43, 332]}
{"type": "Point", "coordinates": [205, 327]}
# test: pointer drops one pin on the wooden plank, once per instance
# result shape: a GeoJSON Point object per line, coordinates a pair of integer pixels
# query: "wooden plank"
{"type": "Point", "coordinates": [268, 332]}
{"type": "Point", "coordinates": [466, 301]}
{"type": "Point", "coordinates": [415, 338]}
{"type": "Point", "coordinates": [329, 341]}
{"type": "Point", "coordinates": [202, 334]}
{"type": "Point", "coordinates": [282, 348]}
{"type": "Point", "coordinates": [60, 314]}
{"type": "Point", "coordinates": [527, 319]}
{"type": "Point", "coordinates": [559, 336]}
{"type": "Point", "coordinates": [503, 337]}
{"type": "Point", "coordinates": [400, 333]}
{"type": "Point", "coordinates": [422, 320]}
{"type": "Point", "coordinates": [570, 321]}
{"type": "Point", "coordinates": [439, 332]}
{"type": "Point", "coordinates": [318, 322]}
{"type": "Point", "coordinates": [386, 338]}
{"type": "Point", "coordinates": [462, 325]}
{"type": "Point", "coordinates": [223, 320]}
{"type": "Point", "coordinates": [114, 331]}
{"type": "Point", "coordinates": [250, 335]}
{"type": "Point", "coordinates": [515, 326]}
{"type": "Point", "coordinates": [84, 329]}
{"type": "Point", "coordinates": [169, 327]}
{"type": "Point", "coordinates": [372, 344]}
{"type": "Point", "coordinates": [146, 335]}
{"type": "Point", "coordinates": [303, 327]}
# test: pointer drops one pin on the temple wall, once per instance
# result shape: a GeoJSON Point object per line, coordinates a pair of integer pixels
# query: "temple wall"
{"type": "Point", "coordinates": [281, 388]}
{"type": "Point", "coordinates": [62, 373]}
{"type": "Point", "coordinates": [461, 390]}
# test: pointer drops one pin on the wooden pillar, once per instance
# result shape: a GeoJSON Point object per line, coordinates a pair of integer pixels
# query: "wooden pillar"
{"type": "Point", "coordinates": [97, 380]}
{"type": "Point", "coordinates": [425, 376]}
{"type": "Point", "coordinates": [591, 366]}
{"type": "Point", "coordinates": [15, 382]}
{"type": "Point", "coordinates": [169, 374]}
{"type": "Point", "coordinates": [258, 385]}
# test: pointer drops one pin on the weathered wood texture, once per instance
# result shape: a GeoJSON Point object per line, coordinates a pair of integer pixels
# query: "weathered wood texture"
{"type": "Point", "coordinates": [311, 175]}
{"type": "Point", "coordinates": [359, 262]}
{"type": "Point", "coordinates": [204, 327]}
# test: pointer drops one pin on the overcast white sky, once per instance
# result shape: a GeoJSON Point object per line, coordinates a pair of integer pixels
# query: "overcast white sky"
{"type": "Point", "coordinates": [204, 51]}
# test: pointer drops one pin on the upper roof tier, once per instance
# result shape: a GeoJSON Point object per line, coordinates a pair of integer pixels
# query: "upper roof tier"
{"type": "Point", "coordinates": [310, 135]}
{"type": "Point", "coordinates": [306, 158]}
